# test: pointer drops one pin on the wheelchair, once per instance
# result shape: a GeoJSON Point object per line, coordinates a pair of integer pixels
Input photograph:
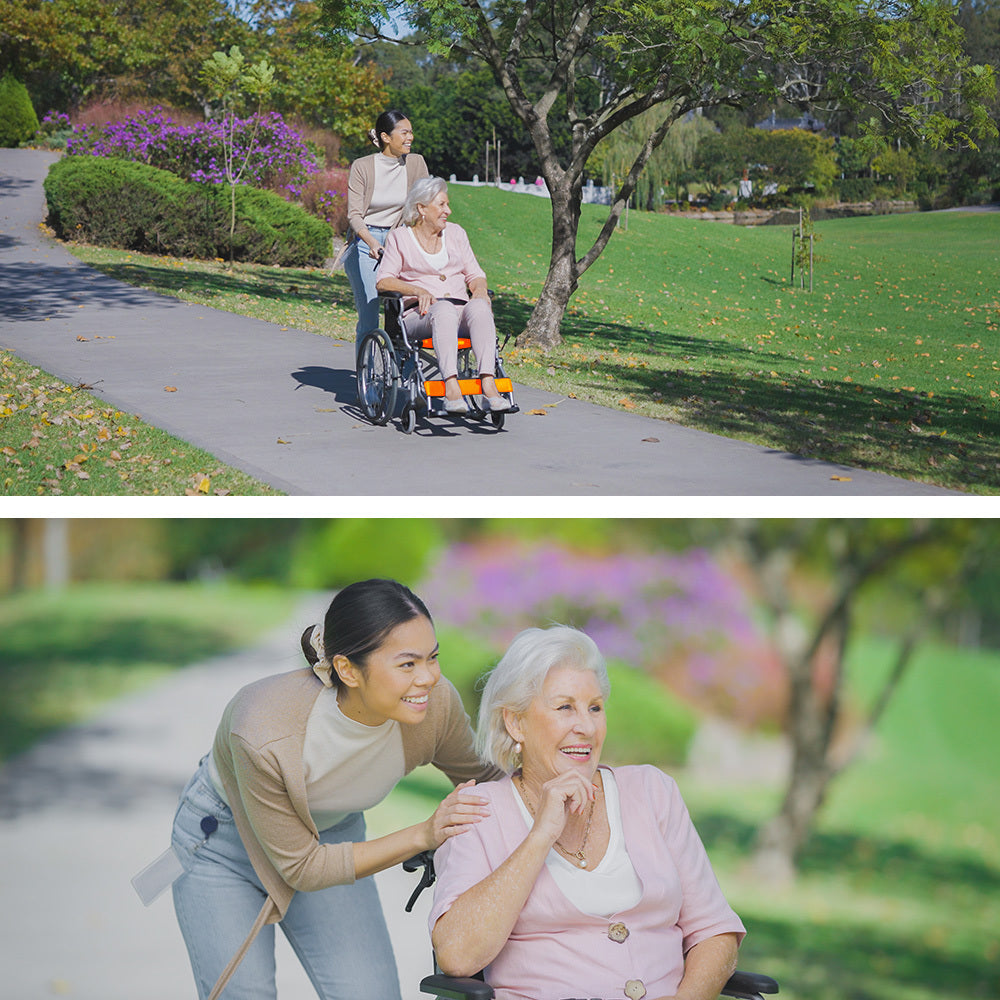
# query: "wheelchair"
{"type": "Point", "coordinates": [740, 985]}
{"type": "Point", "coordinates": [391, 363]}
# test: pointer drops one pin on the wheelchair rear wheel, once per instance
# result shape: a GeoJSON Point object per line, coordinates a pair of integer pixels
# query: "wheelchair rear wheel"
{"type": "Point", "coordinates": [377, 377]}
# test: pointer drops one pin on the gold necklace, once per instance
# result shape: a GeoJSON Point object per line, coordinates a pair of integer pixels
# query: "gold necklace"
{"type": "Point", "coordinates": [419, 237]}
{"type": "Point", "coordinates": [581, 858]}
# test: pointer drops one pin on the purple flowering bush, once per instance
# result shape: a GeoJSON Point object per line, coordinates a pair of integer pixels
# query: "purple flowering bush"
{"type": "Point", "coordinates": [278, 158]}
{"type": "Point", "coordinates": [678, 617]}
{"type": "Point", "coordinates": [325, 195]}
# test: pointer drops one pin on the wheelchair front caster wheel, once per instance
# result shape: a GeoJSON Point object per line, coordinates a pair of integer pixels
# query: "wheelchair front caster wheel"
{"type": "Point", "coordinates": [409, 419]}
{"type": "Point", "coordinates": [497, 420]}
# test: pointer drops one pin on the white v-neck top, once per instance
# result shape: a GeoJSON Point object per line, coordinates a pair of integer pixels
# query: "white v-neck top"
{"type": "Point", "coordinates": [613, 886]}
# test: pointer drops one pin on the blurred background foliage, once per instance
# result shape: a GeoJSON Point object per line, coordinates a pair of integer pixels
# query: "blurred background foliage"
{"type": "Point", "coordinates": [825, 690]}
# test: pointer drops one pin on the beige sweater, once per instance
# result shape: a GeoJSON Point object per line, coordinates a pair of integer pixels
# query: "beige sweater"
{"type": "Point", "coordinates": [258, 752]}
{"type": "Point", "coordinates": [361, 185]}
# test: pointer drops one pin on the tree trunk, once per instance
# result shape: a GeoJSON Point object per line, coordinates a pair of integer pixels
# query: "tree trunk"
{"type": "Point", "coordinates": [561, 281]}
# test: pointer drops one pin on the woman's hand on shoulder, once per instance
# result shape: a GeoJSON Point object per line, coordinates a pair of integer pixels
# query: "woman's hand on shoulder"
{"type": "Point", "coordinates": [458, 812]}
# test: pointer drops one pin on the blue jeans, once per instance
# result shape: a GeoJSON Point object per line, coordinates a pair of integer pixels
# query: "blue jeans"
{"type": "Point", "coordinates": [361, 273]}
{"type": "Point", "coordinates": [339, 934]}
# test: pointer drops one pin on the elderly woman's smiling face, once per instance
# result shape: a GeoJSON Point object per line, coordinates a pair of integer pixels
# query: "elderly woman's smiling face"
{"type": "Point", "coordinates": [435, 213]}
{"type": "Point", "coordinates": [564, 726]}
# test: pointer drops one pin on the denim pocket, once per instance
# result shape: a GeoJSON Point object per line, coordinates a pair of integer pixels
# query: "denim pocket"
{"type": "Point", "coordinates": [201, 815]}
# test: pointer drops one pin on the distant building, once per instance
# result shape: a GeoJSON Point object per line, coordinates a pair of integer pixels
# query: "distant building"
{"type": "Point", "coordinates": [806, 122]}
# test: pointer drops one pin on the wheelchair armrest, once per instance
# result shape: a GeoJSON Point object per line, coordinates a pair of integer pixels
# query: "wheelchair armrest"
{"type": "Point", "coordinates": [456, 989]}
{"type": "Point", "coordinates": [748, 985]}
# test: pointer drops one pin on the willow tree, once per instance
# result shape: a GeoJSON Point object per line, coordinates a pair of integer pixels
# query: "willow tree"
{"type": "Point", "coordinates": [900, 62]}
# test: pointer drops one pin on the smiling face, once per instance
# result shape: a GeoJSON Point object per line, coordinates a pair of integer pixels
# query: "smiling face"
{"type": "Point", "coordinates": [398, 141]}
{"type": "Point", "coordinates": [395, 680]}
{"type": "Point", "coordinates": [435, 213]}
{"type": "Point", "coordinates": [564, 726]}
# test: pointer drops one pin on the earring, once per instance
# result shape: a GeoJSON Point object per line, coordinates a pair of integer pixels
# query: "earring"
{"type": "Point", "coordinates": [517, 748]}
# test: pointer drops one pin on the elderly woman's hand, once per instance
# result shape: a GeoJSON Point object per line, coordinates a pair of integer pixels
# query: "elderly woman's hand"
{"type": "Point", "coordinates": [456, 813]}
{"type": "Point", "coordinates": [424, 301]}
{"type": "Point", "coordinates": [569, 792]}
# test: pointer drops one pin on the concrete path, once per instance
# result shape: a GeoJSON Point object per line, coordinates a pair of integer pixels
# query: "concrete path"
{"type": "Point", "coordinates": [281, 404]}
{"type": "Point", "coordinates": [82, 812]}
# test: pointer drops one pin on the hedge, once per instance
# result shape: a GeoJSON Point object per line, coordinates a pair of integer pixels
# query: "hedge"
{"type": "Point", "coordinates": [18, 121]}
{"type": "Point", "coordinates": [120, 203]}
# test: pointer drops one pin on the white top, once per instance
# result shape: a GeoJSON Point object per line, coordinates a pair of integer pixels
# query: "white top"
{"type": "Point", "coordinates": [438, 260]}
{"type": "Point", "coordinates": [348, 766]}
{"type": "Point", "coordinates": [389, 192]}
{"type": "Point", "coordinates": [613, 886]}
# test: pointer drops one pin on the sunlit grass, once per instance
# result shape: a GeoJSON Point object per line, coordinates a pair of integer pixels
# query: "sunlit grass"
{"type": "Point", "coordinates": [64, 653]}
{"type": "Point", "coordinates": [60, 440]}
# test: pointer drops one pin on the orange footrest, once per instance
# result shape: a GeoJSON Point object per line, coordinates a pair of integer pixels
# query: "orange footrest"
{"type": "Point", "coordinates": [469, 386]}
{"type": "Point", "coordinates": [463, 344]}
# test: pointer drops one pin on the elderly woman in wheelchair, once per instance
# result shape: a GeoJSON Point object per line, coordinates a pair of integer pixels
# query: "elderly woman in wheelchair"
{"type": "Point", "coordinates": [585, 880]}
{"type": "Point", "coordinates": [430, 262]}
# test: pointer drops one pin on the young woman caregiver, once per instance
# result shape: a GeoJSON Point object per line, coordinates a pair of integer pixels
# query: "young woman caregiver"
{"type": "Point", "coordinates": [377, 186]}
{"type": "Point", "coordinates": [271, 829]}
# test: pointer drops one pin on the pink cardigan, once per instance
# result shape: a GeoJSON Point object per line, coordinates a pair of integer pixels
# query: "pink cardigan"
{"type": "Point", "coordinates": [555, 950]}
{"type": "Point", "coordinates": [403, 259]}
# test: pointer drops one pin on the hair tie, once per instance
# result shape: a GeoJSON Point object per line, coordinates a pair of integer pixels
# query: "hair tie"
{"type": "Point", "coordinates": [323, 667]}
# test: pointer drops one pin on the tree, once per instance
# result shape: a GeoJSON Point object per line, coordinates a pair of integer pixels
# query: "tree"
{"type": "Point", "coordinates": [605, 62]}
{"type": "Point", "coordinates": [230, 79]}
{"type": "Point", "coordinates": [813, 577]}
{"type": "Point", "coordinates": [67, 51]}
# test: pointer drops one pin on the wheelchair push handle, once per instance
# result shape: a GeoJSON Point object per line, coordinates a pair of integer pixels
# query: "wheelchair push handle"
{"type": "Point", "coordinates": [424, 860]}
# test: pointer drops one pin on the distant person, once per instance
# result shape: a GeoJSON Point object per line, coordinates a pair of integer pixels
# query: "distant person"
{"type": "Point", "coordinates": [585, 880]}
{"type": "Point", "coordinates": [271, 827]}
{"type": "Point", "coordinates": [430, 262]}
{"type": "Point", "coordinates": [377, 186]}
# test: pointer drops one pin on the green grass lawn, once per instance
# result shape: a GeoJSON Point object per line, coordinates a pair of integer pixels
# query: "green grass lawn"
{"type": "Point", "coordinates": [65, 653]}
{"type": "Point", "coordinates": [890, 363]}
{"type": "Point", "coordinates": [60, 440]}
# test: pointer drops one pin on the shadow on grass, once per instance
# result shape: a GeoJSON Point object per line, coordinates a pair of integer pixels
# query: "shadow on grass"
{"type": "Point", "coordinates": [82, 657]}
{"type": "Point", "coordinates": [833, 961]}
{"type": "Point", "coordinates": [949, 438]}
{"type": "Point", "coordinates": [828, 959]}
{"type": "Point", "coordinates": [860, 857]}
{"type": "Point", "coordinates": [268, 283]}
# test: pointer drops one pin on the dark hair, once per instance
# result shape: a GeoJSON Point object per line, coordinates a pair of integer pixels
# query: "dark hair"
{"type": "Point", "coordinates": [361, 616]}
{"type": "Point", "coordinates": [386, 122]}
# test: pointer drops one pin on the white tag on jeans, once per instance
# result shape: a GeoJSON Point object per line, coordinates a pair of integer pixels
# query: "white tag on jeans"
{"type": "Point", "coordinates": [157, 876]}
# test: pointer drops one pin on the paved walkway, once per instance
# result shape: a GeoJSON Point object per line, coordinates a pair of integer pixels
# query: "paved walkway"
{"type": "Point", "coordinates": [281, 404]}
{"type": "Point", "coordinates": [82, 812]}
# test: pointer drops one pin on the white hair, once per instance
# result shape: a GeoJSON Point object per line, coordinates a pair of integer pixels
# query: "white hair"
{"type": "Point", "coordinates": [423, 192]}
{"type": "Point", "coordinates": [518, 679]}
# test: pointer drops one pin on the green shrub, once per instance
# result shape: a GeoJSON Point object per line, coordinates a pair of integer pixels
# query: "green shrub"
{"type": "Point", "coordinates": [18, 121]}
{"type": "Point", "coordinates": [124, 204]}
{"type": "Point", "coordinates": [335, 553]}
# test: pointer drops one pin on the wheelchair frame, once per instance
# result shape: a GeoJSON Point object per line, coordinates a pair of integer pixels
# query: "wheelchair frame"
{"type": "Point", "coordinates": [740, 985]}
{"type": "Point", "coordinates": [389, 361]}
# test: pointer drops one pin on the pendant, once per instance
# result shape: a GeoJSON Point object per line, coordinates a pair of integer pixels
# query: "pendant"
{"type": "Point", "coordinates": [583, 862]}
{"type": "Point", "coordinates": [634, 989]}
{"type": "Point", "coordinates": [618, 932]}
